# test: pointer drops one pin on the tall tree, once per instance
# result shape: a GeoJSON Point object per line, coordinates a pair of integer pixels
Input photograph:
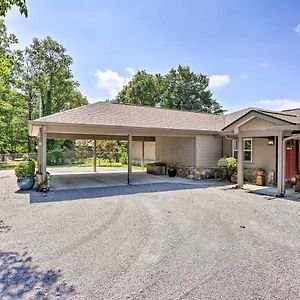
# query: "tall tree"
{"type": "Point", "coordinates": [47, 70]}
{"type": "Point", "coordinates": [13, 118]}
{"type": "Point", "coordinates": [143, 89]}
{"type": "Point", "coordinates": [46, 76]}
{"type": "Point", "coordinates": [6, 5]}
{"type": "Point", "coordinates": [179, 89]}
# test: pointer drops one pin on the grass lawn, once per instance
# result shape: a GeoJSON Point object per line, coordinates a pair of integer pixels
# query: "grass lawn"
{"type": "Point", "coordinates": [9, 165]}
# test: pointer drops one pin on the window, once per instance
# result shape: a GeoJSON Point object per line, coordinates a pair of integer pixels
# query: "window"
{"type": "Point", "coordinates": [235, 144]}
{"type": "Point", "coordinates": [247, 149]}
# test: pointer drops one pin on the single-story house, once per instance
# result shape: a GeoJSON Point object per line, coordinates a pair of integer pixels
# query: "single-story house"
{"type": "Point", "coordinates": [258, 138]}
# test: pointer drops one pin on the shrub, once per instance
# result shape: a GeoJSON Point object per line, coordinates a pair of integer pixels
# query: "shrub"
{"type": "Point", "coordinates": [81, 151]}
{"type": "Point", "coordinates": [55, 157]}
{"type": "Point", "coordinates": [228, 163]}
{"type": "Point", "coordinates": [26, 168]}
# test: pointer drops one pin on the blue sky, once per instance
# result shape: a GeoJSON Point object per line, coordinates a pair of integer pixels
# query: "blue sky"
{"type": "Point", "coordinates": [250, 49]}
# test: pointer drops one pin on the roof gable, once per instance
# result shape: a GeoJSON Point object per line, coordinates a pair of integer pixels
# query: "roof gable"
{"type": "Point", "coordinates": [270, 117]}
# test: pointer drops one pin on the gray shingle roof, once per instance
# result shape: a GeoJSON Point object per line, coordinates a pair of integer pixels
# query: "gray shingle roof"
{"type": "Point", "coordinates": [108, 114]}
{"type": "Point", "coordinates": [122, 115]}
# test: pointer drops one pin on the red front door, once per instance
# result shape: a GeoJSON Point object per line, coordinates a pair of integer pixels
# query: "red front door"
{"type": "Point", "coordinates": [290, 155]}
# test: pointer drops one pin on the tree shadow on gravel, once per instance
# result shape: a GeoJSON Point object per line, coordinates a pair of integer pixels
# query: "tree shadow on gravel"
{"type": "Point", "coordinates": [20, 279]}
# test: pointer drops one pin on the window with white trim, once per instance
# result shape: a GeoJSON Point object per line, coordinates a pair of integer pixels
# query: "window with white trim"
{"type": "Point", "coordinates": [247, 149]}
{"type": "Point", "coordinates": [235, 144]}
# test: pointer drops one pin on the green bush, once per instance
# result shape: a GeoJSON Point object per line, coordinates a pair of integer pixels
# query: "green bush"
{"type": "Point", "coordinates": [26, 168]}
{"type": "Point", "coordinates": [55, 157]}
{"type": "Point", "coordinates": [229, 163]}
{"type": "Point", "coordinates": [123, 158]}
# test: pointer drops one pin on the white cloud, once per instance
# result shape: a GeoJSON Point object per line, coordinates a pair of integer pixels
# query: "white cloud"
{"type": "Point", "coordinates": [297, 29]}
{"type": "Point", "coordinates": [279, 104]}
{"type": "Point", "coordinates": [130, 71]}
{"type": "Point", "coordinates": [218, 81]}
{"type": "Point", "coordinates": [264, 65]}
{"type": "Point", "coordinates": [110, 81]}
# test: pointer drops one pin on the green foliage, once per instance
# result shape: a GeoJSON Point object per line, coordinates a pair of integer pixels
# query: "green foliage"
{"type": "Point", "coordinates": [229, 163]}
{"type": "Point", "coordinates": [55, 157]}
{"type": "Point", "coordinates": [6, 5]}
{"type": "Point", "coordinates": [81, 151]}
{"type": "Point", "coordinates": [179, 89]}
{"type": "Point", "coordinates": [26, 168]}
{"type": "Point", "coordinates": [108, 150]}
{"type": "Point", "coordinates": [43, 68]}
{"type": "Point", "coordinates": [123, 154]}
{"type": "Point", "coordinates": [47, 72]}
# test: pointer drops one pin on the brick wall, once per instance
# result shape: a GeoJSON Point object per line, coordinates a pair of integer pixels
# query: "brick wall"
{"type": "Point", "coordinates": [175, 150]}
{"type": "Point", "coordinates": [208, 150]}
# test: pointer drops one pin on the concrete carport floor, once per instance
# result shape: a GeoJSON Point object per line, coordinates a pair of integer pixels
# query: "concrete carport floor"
{"type": "Point", "coordinates": [81, 177]}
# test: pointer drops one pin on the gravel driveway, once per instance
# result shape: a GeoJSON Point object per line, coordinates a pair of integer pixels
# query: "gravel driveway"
{"type": "Point", "coordinates": [183, 242]}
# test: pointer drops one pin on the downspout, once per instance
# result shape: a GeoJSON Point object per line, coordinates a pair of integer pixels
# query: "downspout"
{"type": "Point", "coordinates": [284, 140]}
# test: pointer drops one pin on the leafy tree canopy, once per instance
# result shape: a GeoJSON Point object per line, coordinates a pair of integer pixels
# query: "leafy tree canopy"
{"type": "Point", "coordinates": [6, 5]}
{"type": "Point", "coordinates": [179, 89]}
{"type": "Point", "coordinates": [41, 71]}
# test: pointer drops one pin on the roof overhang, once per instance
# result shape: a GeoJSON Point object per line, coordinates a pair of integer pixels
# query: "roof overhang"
{"type": "Point", "coordinates": [86, 131]}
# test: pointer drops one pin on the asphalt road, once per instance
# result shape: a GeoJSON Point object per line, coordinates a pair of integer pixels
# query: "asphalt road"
{"type": "Point", "coordinates": [181, 242]}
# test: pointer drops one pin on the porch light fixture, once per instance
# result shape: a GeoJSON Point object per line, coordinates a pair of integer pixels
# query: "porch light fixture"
{"type": "Point", "coordinates": [271, 141]}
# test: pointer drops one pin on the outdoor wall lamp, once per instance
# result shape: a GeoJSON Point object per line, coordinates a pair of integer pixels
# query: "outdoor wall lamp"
{"type": "Point", "coordinates": [271, 141]}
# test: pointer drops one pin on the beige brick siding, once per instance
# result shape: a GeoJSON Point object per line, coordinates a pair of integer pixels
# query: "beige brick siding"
{"type": "Point", "coordinates": [208, 150]}
{"type": "Point", "coordinates": [175, 150]}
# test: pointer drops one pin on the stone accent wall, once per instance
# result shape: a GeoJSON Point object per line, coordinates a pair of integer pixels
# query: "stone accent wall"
{"type": "Point", "coordinates": [250, 175]}
{"type": "Point", "coordinates": [221, 174]}
{"type": "Point", "coordinates": [202, 173]}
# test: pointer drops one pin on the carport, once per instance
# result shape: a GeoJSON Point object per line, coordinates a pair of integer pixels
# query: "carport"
{"type": "Point", "coordinates": [78, 132]}
{"type": "Point", "coordinates": [107, 121]}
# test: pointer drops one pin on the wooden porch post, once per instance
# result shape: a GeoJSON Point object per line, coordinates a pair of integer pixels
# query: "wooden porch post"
{"type": "Point", "coordinates": [40, 150]}
{"type": "Point", "coordinates": [95, 156]}
{"type": "Point", "coordinates": [280, 181]}
{"type": "Point", "coordinates": [240, 170]}
{"type": "Point", "coordinates": [143, 155]}
{"type": "Point", "coordinates": [44, 152]}
{"type": "Point", "coordinates": [129, 162]}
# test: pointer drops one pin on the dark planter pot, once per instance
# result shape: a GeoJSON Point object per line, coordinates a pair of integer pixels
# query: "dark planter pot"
{"type": "Point", "coordinates": [25, 183]}
{"type": "Point", "coordinates": [172, 172]}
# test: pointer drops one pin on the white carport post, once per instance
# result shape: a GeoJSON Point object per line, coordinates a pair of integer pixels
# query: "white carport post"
{"type": "Point", "coordinates": [43, 154]}
{"type": "Point", "coordinates": [143, 155]}
{"type": "Point", "coordinates": [240, 170]}
{"type": "Point", "coordinates": [95, 156]}
{"type": "Point", "coordinates": [129, 162]}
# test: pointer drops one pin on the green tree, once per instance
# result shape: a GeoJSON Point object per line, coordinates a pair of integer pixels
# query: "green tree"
{"type": "Point", "coordinates": [47, 70]}
{"type": "Point", "coordinates": [6, 5]}
{"type": "Point", "coordinates": [179, 89]}
{"type": "Point", "coordinates": [143, 89]}
{"type": "Point", "coordinates": [13, 118]}
{"type": "Point", "coordinates": [81, 151]}
{"type": "Point", "coordinates": [108, 151]}
{"type": "Point", "coordinates": [46, 76]}
{"type": "Point", "coordinates": [186, 90]}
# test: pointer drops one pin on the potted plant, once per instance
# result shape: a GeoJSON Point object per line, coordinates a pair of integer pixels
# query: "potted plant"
{"type": "Point", "coordinates": [260, 177]}
{"type": "Point", "coordinates": [25, 172]}
{"type": "Point", "coordinates": [297, 186]}
{"type": "Point", "coordinates": [172, 171]}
